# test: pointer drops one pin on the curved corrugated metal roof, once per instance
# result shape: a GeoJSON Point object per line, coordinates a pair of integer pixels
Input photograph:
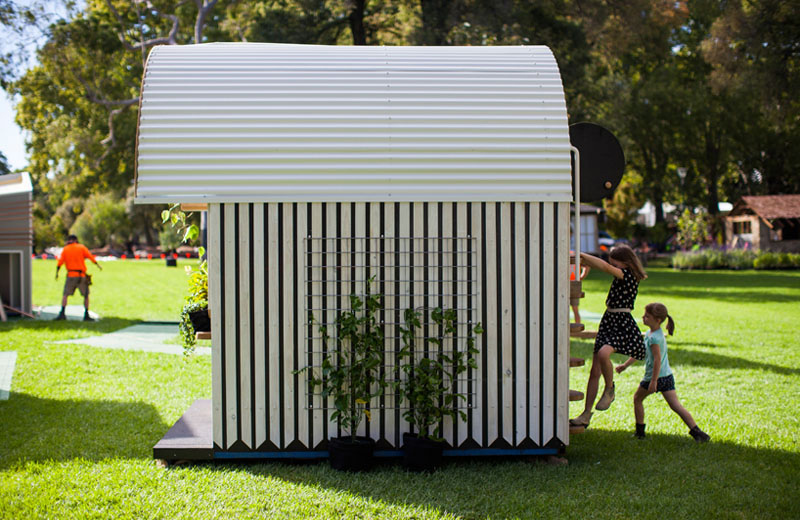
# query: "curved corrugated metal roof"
{"type": "Point", "coordinates": [250, 122]}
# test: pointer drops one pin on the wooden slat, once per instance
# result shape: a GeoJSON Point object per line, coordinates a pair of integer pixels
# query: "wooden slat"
{"type": "Point", "coordinates": [548, 323]}
{"type": "Point", "coordinates": [575, 395]}
{"type": "Point", "coordinates": [288, 345]}
{"type": "Point", "coordinates": [521, 323]}
{"type": "Point", "coordinates": [534, 310]}
{"type": "Point", "coordinates": [418, 262]}
{"type": "Point", "coordinates": [481, 406]}
{"type": "Point", "coordinates": [231, 388]}
{"type": "Point", "coordinates": [576, 362]}
{"type": "Point", "coordinates": [492, 408]}
{"type": "Point", "coordinates": [463, 274]}
{"type": "Point", "coordinates": [374, 232]}
{"type": "Point", "coordinates": [215, 305]}
{"type": "Point", "coordinates": [194, 206]}
{"type": "Point", "coordinates": [316, 303]}
{"type": "Point", "coordinates": [245, 327]}
{"type": "Point", "coordinates": [302, 322]}
{"type": "Point", "coordinates": [273, 329]}
{"type": "Point", "coordinates": [405, 286]}
{"type": "Point", "coordinates": [346, 274]}
{"type": "Point", "coordinates": [446, 302]}
{"type": "Point", "coordinates": [387, 275]}
{"type": "Point", "coordinates": [507, 371]}
{"type": "Point", "coordinates": [562, 308]}
{"type": "Point", "coordinates": [259, 325]}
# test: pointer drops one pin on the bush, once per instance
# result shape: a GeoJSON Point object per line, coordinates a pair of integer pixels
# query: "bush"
{"type": "Point", "coordinates": [169, 239]}
{"type": "Point", "coordinates": [777, 261]}
{"type": "Point", "coordinates": [734, 259]}
{"type": "Point", "coordinates": [740, 259]}
{"type": "Point", "coordinates": [103, 221]}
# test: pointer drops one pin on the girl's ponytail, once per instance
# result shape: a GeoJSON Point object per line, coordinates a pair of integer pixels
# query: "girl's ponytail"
{"type": "Point", "coordinates": [659, 312]}
{"type": "Point", "coordinates": [670, 325]}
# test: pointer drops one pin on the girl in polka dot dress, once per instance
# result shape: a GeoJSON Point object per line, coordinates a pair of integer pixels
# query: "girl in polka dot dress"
{"type": "Point", "coordinates": [618, 332]}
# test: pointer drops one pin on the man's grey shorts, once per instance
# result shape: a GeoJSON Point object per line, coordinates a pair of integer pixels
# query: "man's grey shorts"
{"type": "Point", "coordinates": [76, 282]}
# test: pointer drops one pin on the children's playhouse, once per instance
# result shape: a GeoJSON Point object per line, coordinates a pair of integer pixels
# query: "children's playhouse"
{"type": "Point", "coordinates": [439, 175]}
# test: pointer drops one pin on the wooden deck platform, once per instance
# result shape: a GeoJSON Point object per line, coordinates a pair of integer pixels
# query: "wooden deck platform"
{"type": "Point", "coordinates": [191, 437]}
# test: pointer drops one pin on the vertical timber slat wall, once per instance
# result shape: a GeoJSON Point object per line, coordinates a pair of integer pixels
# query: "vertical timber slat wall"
{"type": "Point", "coordinates": [260, 263]}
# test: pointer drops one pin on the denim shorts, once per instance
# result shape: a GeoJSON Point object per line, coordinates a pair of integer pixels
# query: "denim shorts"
{"type": "Point", "coordinates": [664, 384]}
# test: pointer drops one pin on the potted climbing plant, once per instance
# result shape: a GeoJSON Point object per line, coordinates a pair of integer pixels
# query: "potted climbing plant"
{"type": "Point", "coordinates": [194, 315]}
{"type": "Point", "coordinates": [430, 384]}
{"type": "Point", "coordinates": [351, 375]}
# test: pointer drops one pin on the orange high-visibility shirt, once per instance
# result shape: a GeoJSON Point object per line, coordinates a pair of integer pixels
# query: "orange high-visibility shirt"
{"type": "Point", "coordinates": [73, 256]}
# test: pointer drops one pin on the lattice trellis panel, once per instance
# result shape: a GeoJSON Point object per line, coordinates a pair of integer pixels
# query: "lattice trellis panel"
{"type": "Point", "coordinates": [419, 273]}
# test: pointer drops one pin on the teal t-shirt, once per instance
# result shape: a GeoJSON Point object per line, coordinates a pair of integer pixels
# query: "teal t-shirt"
{"type": "Point", "coordinates": [655, 338]}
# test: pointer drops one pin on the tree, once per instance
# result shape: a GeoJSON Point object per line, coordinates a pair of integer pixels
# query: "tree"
{"type": "Point", "coordinates": [77, 102]}
{"type": "Point", "coordinates": [4, 169]}
{"type": "Point", "coordinates": [753, 48]}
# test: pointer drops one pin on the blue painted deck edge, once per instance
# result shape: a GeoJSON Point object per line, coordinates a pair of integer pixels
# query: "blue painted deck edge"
{"type": "Point", "coordinates": [480, 452]}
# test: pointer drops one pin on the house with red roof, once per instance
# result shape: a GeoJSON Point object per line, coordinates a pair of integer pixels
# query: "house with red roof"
{"type": "Point", "coordinates": [765, 222]}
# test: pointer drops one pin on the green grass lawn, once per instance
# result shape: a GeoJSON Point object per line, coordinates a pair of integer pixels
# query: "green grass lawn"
{"type": "Point", "coordinates": [76, 436]}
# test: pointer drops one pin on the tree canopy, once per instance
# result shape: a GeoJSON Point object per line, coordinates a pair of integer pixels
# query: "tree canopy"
{"type": "Point", "coordinates": [703, 94]}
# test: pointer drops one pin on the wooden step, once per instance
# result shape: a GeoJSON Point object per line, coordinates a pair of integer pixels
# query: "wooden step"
{"type": "Point", "coordinates": [576, 362]}
{"type": "Point", "coordinates": [203, 335]}
{"type": "Point", "coordinates": [575, 395]}
{"type": "Point", "coordinates": [573, 430]}
{"type": "Point", "coordinates": [575, 327]}
{"type": "Point", "coordinates": [584, 334]}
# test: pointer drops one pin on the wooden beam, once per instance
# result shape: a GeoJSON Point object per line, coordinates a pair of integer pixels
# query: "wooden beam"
{"type": "Point", "coordinates": [192, 206]}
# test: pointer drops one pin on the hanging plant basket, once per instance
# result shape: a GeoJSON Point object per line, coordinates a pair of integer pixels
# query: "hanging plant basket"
{"type": "Point", "coordinates": [421, 453]}
{"type": "Point", "coordinates": [348, 454]}
{"type": "Point", "coordinates": [201, 322]}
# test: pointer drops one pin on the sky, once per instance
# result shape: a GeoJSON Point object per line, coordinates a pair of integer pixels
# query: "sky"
{"type": "Point", "coordinates": [12, 142]}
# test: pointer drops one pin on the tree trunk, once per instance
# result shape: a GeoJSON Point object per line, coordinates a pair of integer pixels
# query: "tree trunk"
{"type": "Point", "coordinates": [356, 18]}
{"type": "Point", "coordinates": [435, 14]}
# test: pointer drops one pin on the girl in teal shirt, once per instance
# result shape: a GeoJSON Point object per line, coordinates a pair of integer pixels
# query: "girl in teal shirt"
{"type": "Point", "coordinates": [657, 362]}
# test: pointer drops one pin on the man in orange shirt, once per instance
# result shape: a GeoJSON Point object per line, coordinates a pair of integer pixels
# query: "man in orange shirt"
{"type": "Point", "coordinates": [73, 256]}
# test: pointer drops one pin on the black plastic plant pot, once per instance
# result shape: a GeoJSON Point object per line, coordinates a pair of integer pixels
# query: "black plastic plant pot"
{"type": "Point", "coordinates": [421, 453]}
{"type": "Point", "coordinates": [200, 320]}
{"type": "Point", "coordinates": [347, 454]}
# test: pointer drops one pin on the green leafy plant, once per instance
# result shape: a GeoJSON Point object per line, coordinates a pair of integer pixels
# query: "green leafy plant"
{"type": "Point", "coordinates": [351, 371]}
{"type": "Point", "coordinates": [197, 297]}
{"type": "Point", "coordinates": [187, 332]}
{"type": "Point", "coordinates": [430, 385]}
{"type": "Point", "coordinates": [693, 229]}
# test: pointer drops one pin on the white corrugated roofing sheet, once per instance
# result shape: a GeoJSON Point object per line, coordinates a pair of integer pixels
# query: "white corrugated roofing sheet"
{"type": "Point", "coordinates": [251, 122]}
{"type": "Point", "coordinates": [13, 183]}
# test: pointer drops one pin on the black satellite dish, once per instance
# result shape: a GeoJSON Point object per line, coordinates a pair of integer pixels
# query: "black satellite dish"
{"type": "Point", "coordinates": [602, 160]}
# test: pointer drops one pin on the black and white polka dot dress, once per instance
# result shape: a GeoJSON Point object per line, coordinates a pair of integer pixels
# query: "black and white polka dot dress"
{"type": "Point", "coordinates": [619, 329]}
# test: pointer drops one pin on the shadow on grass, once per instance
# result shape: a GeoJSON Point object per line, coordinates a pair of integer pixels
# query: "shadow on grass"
{"type": "Point", "coordinates": [103, 326]}
{"type": "Point", "coordinates": [733, 286]}
{"type": "Point", "coordinates": [680, 356]}
{"type": "Point", "coordinates": [35, 429]}
{"type": "Point", "coordinates": [609, 474]}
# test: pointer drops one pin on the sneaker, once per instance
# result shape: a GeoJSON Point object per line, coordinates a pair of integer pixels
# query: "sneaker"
{"type": "Point", "coordinates": [699, 435]}
{"type": "Point", "coordinates": [61, 316]}
{"type": "Point", "coordinates": [606, 400]}
{"type": "Point", "coordinates": [639, 434]}
{"type": "Point", "coordinates": [86, 317]}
